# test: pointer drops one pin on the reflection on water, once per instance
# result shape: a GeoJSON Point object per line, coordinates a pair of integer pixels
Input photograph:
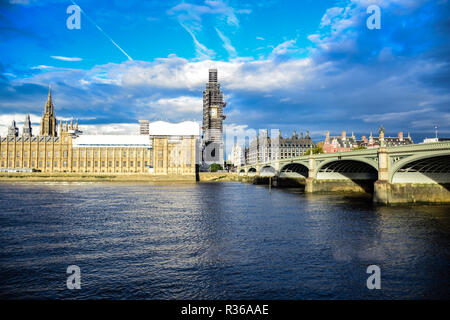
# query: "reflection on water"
{"type": "Point", "coordinates": [215, 241]}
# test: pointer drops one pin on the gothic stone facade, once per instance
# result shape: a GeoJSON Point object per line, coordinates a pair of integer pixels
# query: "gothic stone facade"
{"type": "Point", "coordinates": [264, 148]}
{"type": "Point", "coordinates": [65, 152]}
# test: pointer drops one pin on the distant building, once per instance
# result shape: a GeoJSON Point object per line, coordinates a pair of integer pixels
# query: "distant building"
{"type": "Point", "coordinates": [431, 140]}
{"type": "Point", "coordinates": [237, 156]}
{"type": "Point", "coordinates": [374, 142]}
{"type": "Point", "coordinates": [176, 147]}
{"type": "Point", "coordinates": [144, 127]}
{"type": "Point", "coordinates": [347, 143]}
{"type": "Point", "coordinates": [294, 146]}
{"type": "Point", "coordinates": [264, 148]}
{"type": "Point", "coordinates": [246, 155]}
{"type": "Point", "coordinates": [339, 143]}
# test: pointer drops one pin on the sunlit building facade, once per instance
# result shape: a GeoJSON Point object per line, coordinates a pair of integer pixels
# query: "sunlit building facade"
{"type": "Point", "coordinates": [167, 148]}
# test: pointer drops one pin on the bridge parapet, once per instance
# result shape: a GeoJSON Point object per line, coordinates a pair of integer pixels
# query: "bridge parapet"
{"type": "Point", "coordinates": [420, 147]}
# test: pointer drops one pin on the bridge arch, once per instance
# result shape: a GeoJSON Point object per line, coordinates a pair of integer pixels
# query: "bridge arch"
{"type": "Point", "coordinates": [268, 171]}
{"type": "Point", "coordinates": [422, 169]}
{"type": "Point", "coordinates": [251, 171]}
{"type": "Point", "coordinates": [294, 170]}
{"type": "Point", "coordinates": [347, 169]}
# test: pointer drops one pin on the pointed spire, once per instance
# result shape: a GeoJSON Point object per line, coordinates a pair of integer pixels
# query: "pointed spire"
{"type": "Point", "coordinates": [27, 126]}
{"type": "Point", "coordinates": [13, 131]}
{"type": "Point", "coordinates": [48, 121]}
{"type": "Point", "coordinates": [49, 104]}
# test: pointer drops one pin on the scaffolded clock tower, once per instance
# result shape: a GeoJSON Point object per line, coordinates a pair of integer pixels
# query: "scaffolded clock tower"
{"type": "Point", "coordinates": [213, 117]}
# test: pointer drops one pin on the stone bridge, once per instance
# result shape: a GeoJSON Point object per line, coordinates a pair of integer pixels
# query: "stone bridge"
{"type": "Point", "coordinates": [412, 173]}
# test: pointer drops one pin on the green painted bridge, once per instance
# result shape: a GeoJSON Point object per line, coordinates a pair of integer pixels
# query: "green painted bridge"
{"type": "Point", "coordinates": [412, 173]}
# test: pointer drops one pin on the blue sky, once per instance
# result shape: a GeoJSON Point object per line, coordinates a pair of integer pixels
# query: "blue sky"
{"type": "Point", "coordinates": [303, 65]}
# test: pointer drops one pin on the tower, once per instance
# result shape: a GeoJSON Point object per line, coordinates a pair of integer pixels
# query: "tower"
{"type": "Point", "coordinates": [48, 122]}
{"type": "Point", "coordinates": [13, 131]}
{"type": "Point", "coordinates": [144, 127]}
{"type": "Point", "coordinates": [213, 117]}
{"type": "Point", "coordinates": [27, 131]}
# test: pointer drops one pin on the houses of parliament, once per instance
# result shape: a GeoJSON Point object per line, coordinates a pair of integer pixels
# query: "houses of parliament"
{"type": "Point", "coordinates": [161, 148]}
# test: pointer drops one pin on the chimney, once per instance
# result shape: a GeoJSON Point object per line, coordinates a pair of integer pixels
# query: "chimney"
{"type": "Point", "coordinates": [344, 135]}
{"type": "Point", "coordinates": [400, 136]}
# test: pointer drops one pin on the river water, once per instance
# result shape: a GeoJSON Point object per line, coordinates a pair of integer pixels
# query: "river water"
{"type": "Point", "coordinates": [215, 241]}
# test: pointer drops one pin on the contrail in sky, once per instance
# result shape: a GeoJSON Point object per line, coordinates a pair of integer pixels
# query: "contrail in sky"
{"type": "Point", "coordinates": [101, 30]}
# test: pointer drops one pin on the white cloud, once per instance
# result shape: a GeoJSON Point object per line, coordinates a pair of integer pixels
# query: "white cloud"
{"type": "Point", "coordinates": [181, 104]}
{"type": "Point", "coordinates": [440, 119]}
{"type": "Point", "coordinates": [66, 58]}
{"type": "Point", "coordinates": [202, 51]}
{"type": "Point", "coordinates": [285, 47]}
{"type": "Point", "coordinates": [178, 73]}
{"type": "Point", "coordinates": [191, 12]}
{"type": "Point", "coordinates": [110, 128]}
{"type": "Point", "coordinates": [42, 67]}
{"type": "Point", "coordinates": [189, 16]}
{"type": "Point", "coordinates": [244, 11]}
{"type": "Point", "coordinates": [227, 44]}
{"type": "Point", "coordinates": [393, 116]}
{"type": "Point", "coordinates": [19, 1]}
{"type": "Point", "coordinates": [330, 15]}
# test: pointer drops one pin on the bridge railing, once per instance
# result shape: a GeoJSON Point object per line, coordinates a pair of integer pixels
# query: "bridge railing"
{"type": "Point", "coordinates": [420, 147]}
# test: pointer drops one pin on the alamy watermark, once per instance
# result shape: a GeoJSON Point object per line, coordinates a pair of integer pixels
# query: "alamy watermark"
{"type": "Point", "coordinates": [374, 20]}
{"type": "Point", "coordinates": [74, 20]}
{"type": "Point", "coordinates": [74, 280]}
{"type": "Point", "coordinates": [374, 280]}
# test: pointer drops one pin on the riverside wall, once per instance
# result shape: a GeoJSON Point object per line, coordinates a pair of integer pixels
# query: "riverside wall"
{"type": "Point", "coordinates": [394, 193]}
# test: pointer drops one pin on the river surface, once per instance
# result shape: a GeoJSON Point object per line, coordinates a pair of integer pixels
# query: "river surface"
{"type": "Point", "coordinates": [215, 241]}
